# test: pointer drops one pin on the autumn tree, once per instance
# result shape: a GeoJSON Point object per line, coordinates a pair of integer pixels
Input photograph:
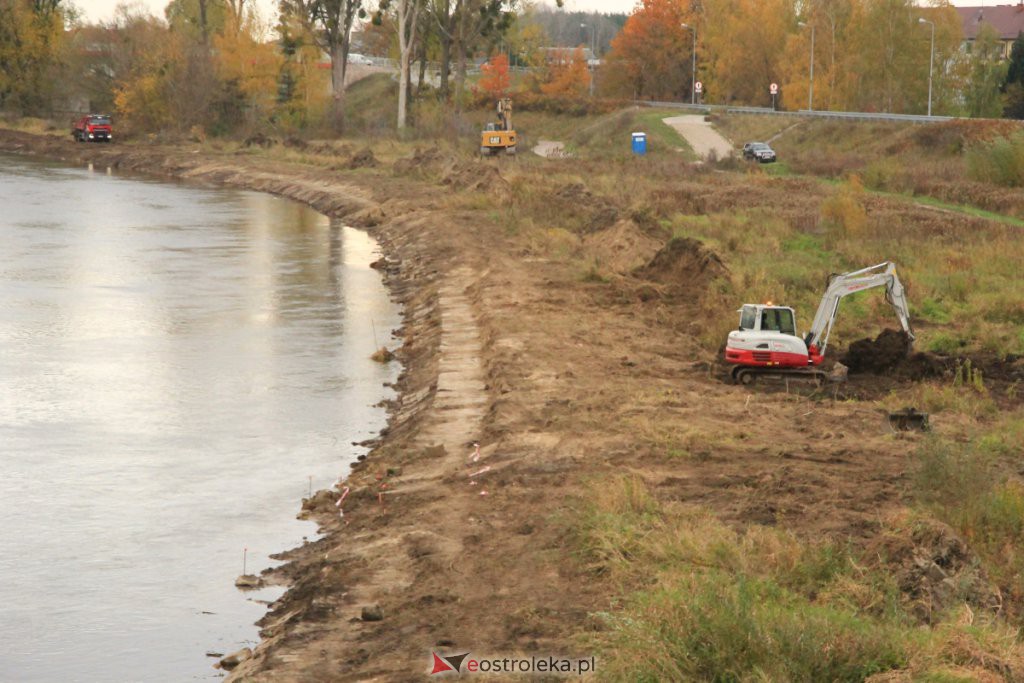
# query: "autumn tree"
{"type": "Point", "coordinates": [302, 87]}
{"type": "Point", "coordinates": [199, 19]}
{"type": "Point", "coordinates": [247, 63]}
{"type": "Point", "coordinates": [30, 42]}
{"type": "Point", "coordinates": [473, 21]}
{"type": "Point", "coordinates": [495, 80]}
{"type": "Point", "coordinates": [887, 56]}
{"type": "Point", "coordinates": [650, 57]}
{"type": "Point", "coordinates": [568, 75]}
{"type": "Point", "coordinates": [744, 42]}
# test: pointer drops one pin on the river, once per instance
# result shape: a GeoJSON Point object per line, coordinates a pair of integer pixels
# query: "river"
{"type": "Point", "coordinates": [176, 363]}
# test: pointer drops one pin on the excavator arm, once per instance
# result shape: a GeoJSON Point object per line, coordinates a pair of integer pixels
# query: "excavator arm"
{"type": "Point", "coordinates": [884, 274]}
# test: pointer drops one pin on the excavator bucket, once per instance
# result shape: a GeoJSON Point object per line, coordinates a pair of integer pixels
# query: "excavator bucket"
{"type": "Point", "coordinates": [908, 420]}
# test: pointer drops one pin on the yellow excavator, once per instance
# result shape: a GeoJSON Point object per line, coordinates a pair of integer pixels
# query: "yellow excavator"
{"type": "Point", "coordinates": [499, 136]}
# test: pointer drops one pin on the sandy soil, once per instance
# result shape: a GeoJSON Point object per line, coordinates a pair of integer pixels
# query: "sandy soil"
{"type": "Point", "coordinates": [562, 381]}
{"type": "Point", "coordinates": [701, 135]}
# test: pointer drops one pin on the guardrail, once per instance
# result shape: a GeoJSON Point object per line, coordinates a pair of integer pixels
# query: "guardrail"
{"type": "Point", "coordinates": [768, 111]}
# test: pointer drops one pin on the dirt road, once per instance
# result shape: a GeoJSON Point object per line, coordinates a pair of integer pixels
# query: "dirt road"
{"type": "Point", "coordinates": [701, 135]}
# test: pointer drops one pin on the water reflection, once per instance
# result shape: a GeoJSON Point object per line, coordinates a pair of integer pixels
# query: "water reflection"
{"type": "Point", "coordinates": [174, 363]}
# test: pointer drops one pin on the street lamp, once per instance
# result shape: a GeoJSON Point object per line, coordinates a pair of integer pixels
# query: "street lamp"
{"type": "Point", "coordinates": [693, 73]}
{"type": "Point", "coordinates": [810, 87]}
{"type": "Point", "coordinates": [931, 62]}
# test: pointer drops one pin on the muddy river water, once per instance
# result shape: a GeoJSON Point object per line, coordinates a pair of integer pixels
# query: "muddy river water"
{"type": "Point", "coordinates": [178, 366]}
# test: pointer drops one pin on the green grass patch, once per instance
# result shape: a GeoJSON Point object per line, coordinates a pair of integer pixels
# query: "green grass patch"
{"type": "Point", "coordinates": [610, 136]}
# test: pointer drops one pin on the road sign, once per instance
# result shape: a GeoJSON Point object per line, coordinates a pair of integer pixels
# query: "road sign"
{"type": "Point", "coordinates": [773, 88]}
{"type": "Point", "coordinates": [698, 86]}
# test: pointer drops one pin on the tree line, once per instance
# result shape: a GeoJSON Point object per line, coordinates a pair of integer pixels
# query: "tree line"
{"type": "Point", "coordinates": [216, 65]}
{"type": "Point", "coordinates": [868, 55]}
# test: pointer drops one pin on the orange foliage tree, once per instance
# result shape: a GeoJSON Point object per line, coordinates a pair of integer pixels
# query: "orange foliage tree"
{"type": "Point", "coordinates": [495, 80]}
{"type": "Point", "coordinates": [568, 75]}
{"type": "Point", "coordinates": [650, 57]}
{"type": "Point", "coordinates": [746, 41]}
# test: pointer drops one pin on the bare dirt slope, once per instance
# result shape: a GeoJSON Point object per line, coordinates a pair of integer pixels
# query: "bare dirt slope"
{"type": "Point", "coordinates": [701, 135]}
{"type": "Point", "coordinates": [563, 380]}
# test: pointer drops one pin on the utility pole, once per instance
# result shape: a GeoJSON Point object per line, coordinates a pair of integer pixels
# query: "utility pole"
{"type": "Point", "coordinates": [931, 62]}
{"type": "Point", "coordinates": [693, 68]}
{"type": "Point", "coordinates": [810, 87]}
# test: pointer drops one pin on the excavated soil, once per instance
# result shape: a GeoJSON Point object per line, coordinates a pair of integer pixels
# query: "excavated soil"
{"type": "Point", "coordinates": [884, 352]}
{"type": "Point", "coordinates": [890, 354]}
{"type": "Point", "coordinates": [683, 266]}
{"type": "Point", "coordinates": [621, 248]}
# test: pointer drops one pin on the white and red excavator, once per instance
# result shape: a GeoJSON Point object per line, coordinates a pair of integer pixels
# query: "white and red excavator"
{"type": "Point", "coordinates": [766, 343]}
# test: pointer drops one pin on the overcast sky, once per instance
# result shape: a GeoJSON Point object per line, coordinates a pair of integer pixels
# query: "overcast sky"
{"type": "Point", "coordinates": [103, 10]}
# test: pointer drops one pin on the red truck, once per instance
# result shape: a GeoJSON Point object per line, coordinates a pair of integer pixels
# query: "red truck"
{"type": "Point", "coordinates": [92, 128]}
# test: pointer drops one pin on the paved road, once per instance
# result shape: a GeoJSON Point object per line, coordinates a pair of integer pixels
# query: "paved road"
{"type": "Point", "coordinates": [703, 138]}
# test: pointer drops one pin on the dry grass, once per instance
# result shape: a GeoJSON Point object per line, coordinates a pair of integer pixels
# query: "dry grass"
{"type": "Point", "coordinates": [706, 602]}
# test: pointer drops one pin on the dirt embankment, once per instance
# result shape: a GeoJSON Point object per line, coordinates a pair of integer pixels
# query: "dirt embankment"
{"type": "Point", "coordinates": [563, 380]}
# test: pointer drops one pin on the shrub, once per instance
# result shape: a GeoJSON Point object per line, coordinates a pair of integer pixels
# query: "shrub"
{"type": "Point", "coordinates": [1000, 161]}
{"type": "Point", "coordinates": [844, 211]}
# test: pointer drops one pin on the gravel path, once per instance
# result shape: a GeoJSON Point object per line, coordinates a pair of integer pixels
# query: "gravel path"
{"type": "Point", "coordinates": [703, 138]}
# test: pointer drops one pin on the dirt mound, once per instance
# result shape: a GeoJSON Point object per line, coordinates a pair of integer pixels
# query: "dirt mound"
{"type": "Point", "coordinates": [884, 352]}
{"type": "Point", "coordinates": [363, 159]}
{"type": "Point", "coordinates": [683, 266]}
{"type": "Point", "coordinates": [472, 176]}
{"type": "Point", "coordinates": [596, 211]}
{"type": "Point", "coordinates": [621, 248]}
{"type": "Point", "coordinates": [934, 569]}
{"type": "Point", "coordinates": [422, 160]}
{"type": "Point", "coordinates": [889, 352]}
{"type": "Point", "coordinates": [259, 140]}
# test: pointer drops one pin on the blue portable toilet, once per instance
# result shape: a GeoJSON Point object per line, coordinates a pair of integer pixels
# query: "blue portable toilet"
{"type": "Point", "coordinates": [640, 143]}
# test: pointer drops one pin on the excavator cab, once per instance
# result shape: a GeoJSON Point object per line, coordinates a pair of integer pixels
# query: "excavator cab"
{"type": "Point", "coordinates": [767, 318]}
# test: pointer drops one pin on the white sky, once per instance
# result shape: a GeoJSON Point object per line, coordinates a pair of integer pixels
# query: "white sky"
{"type": "Point", "coordinates": [103, 10]}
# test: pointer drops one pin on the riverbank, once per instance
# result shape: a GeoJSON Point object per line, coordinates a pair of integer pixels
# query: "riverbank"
{"type": "Point", "coordinates": [560, 313]}
{"type": "Point", "coordinates": [416, 540]}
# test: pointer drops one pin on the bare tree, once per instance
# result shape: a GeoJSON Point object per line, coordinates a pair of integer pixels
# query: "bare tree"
{"type": "Point", "coordinates": [405, 24]}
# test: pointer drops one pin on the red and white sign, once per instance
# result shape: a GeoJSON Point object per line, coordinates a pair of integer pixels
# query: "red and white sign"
{"type": "Point", "coordinates": [773, 88]}
{"type": "Point", "coordinates": [698, 86]}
